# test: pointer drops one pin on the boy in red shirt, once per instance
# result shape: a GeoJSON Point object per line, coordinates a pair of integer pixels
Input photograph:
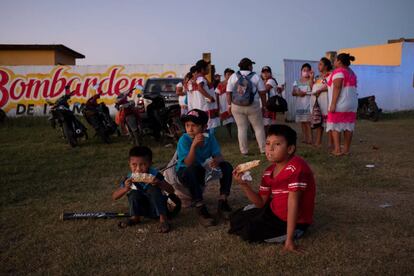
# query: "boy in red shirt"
{"type": "Point", "coordinates": [286, 197]}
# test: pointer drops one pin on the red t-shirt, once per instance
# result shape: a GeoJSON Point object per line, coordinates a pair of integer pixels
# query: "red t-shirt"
{"type": "Point", "coordinates": [295, 176]}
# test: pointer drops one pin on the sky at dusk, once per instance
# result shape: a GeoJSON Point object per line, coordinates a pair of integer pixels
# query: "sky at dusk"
{"type": "Point", "coordinates": [178, 32]}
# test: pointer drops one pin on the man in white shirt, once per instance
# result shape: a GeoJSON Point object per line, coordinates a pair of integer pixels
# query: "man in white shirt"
{"type": "Point", "coordinates": [248, 114]}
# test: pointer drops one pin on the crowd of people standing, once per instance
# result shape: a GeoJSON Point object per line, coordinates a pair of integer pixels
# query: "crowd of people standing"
{"type": "Point", "coordinates": [329, 95]}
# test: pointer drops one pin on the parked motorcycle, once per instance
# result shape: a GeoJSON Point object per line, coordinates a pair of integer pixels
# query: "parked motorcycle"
{"type": "Point", "coordinates": [157, 119]}
{"type": "Point", "coordinates": [97, 115]}
{"type": "Point", "coordinates": [368, 108]}
{"type": "Point", "coordinates": [61, 115]}
{"type": "Point", "coordinates": [128, 115]}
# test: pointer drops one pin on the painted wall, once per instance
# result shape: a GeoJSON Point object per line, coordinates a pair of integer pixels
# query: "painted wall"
{"type": "Point", "coordinates": [24, 89]}
{"type": "Point", "coordinates": [63, 59]}
{"type": "Point", "coordinates": [380, 55]}
{"type": "Point", "coordinates": [27, 57]}
{"type": "Point", "coordinates": [392, 85]}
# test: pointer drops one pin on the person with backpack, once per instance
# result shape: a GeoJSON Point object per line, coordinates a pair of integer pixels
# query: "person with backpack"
{"type": "Point", "coordinates": [245, 92]}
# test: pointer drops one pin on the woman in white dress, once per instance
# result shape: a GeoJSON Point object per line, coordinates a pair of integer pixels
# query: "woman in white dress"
{"type": "Point", "coordinates": [272, 89]}
{"type": "Point", "coordinates": [181, 91]}
{"type": "Point", "coordinates": [320, 94]}
{"type": "Point", "coordinates": [343, 103]}
{"type": "Point", "coordinates": [225, 116]}
{"type": "Point", "coordinates": [204, 97]}
{"type": "Point", "coordinates": [302, 92]}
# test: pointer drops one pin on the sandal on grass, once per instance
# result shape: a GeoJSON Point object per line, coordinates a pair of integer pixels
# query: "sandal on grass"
{"type": "Point", "coordinates": [127, 223]}
{"type": "Point", "coordinates": [164, 227]}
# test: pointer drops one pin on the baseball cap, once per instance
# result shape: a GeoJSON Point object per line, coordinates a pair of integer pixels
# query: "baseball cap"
{"type": "Point", "coordinates": [228, 70]}
{"type": "Point", "coordinates": [244, 62]}
{"type": "Point", "coordinates": [196, 116]}
{"type": "Point", "coordinates": [266, 68]}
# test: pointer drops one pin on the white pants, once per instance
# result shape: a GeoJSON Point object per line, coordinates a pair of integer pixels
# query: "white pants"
{"type": "Point", "coordinates": [245, 115]}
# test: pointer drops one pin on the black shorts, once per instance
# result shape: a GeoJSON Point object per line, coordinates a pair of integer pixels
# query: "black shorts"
{"type": "Point", "coordinates": [261, 225]}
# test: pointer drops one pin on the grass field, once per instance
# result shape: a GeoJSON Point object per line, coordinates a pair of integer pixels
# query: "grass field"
{"type": "Point", "coordinates": [41, 176]}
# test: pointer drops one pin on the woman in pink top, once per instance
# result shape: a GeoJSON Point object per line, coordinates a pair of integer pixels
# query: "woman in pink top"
{"type": "Point", "coordinates": [343, 103]}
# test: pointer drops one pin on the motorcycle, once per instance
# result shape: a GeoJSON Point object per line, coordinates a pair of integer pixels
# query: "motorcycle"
{"type": "Point", "coordinates": [61, 115]}
{"type": "Point", "coordinates": [157, 119]}
{"type": "Point", "coordinates": [97, 115]}
{"type": "Point", "coordinates": [128, 115]}
{"type": "Point", "coordinates": [368, 108]}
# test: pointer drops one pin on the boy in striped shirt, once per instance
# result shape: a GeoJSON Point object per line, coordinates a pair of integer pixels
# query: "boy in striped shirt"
{"type": "Point", "coordinates": [283, 207]}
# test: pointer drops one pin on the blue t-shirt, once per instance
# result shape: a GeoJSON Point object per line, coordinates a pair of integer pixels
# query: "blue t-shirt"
{"type": "Point", "coordinates": [141, 185]}
{"type": "Point", "coordinates": [211, 148]}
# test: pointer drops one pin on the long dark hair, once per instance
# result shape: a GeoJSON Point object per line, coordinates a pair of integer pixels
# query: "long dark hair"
{"type": "Point", "coordinates": [345, 59]}
{"type": "Point", "coordinates": [306, 65]}
{"type": "Point", "coordinates": [327, 63]}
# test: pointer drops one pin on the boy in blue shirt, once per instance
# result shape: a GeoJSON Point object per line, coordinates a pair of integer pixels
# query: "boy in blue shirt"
{"type": "Point", "coordinates": [193, 149]}
{"type": "Point", "coordinates": [144, 199]}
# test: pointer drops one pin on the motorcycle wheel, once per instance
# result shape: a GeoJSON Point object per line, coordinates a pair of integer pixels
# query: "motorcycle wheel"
{"type": "Point", "coordinates": [69, 135]}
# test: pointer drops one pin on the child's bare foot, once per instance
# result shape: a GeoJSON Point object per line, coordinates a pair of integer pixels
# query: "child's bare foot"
{"type": "Point", "coordinates": [164, 227]}
{"type": "Point", "coordinates": [128, 223]}
{"type": "Point", "coordinates": [205, 218]}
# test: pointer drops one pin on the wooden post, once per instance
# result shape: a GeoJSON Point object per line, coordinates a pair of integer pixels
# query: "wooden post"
{"type": "Point", "coordinates": [207, 58]}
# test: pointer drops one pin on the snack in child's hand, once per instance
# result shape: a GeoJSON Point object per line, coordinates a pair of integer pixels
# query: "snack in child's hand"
{"type": "Point", "coordinates": [246, 176]}
{"type": "Point", "coordinates": [142, 177]}
{"type": "Point", "coordinates": [247, 166]}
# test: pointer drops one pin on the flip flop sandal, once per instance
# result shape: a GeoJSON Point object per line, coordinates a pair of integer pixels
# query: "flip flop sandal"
{"type": "Point", "coordinates": [164, 227]}
{"type": "Point", "coordinates": [127, 223]}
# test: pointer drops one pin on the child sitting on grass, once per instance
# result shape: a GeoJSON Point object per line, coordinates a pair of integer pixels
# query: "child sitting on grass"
{"type": "Point", "coordinates": [194, 148]}
{"type": "Point", "coordinates": [285, 201]}
{"type": "Point", "coordinates": [144, 199]}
